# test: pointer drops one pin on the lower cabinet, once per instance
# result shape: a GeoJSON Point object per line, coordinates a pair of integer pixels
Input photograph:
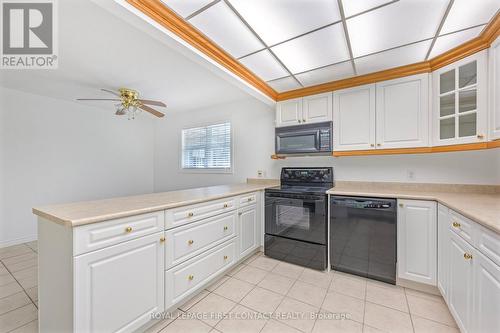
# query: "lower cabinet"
{"type": "Point", "coordinates": [486, 295]}
{"type": "Point", "coordinates": [443, 248]}
{"type": "Point", "coordinates": [417, 241]}
{"type": "Point", "coordinates": [117, 288]}
{"type": "Point", "coordinates": [249, 231]}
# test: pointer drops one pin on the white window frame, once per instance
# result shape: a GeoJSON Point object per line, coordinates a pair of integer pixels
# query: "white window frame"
{"type": "Point", "coordinates": [207, 170]}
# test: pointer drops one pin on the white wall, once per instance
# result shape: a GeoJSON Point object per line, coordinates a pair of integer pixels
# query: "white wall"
{"type": "Point", "coordinates": [54, 151]}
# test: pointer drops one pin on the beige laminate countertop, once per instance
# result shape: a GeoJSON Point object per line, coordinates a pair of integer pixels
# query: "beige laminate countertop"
{"type": "Point", "coordinates": [482, 208]}
{"type": "Point", "coordinates": [80, 213]}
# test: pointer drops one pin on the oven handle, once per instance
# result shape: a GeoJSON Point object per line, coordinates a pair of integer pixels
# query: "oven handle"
{"type": "Point", "coordinates": [309, 199]}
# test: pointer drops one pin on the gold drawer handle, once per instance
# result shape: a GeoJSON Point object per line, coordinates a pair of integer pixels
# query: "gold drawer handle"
{"type": "Point", "coordinates": [226, 205]}
{"type": "Point", "coordinates": [456, 225]}
{"type": "Point", "coordinates": [401, 205]}
{"type": "Point", "coordinates": [162, 239]}
{"type": "Point", "coordinates": [190, 214]}
{"type": "Point", "coordinates": [249, 199]}
{"type": "Point", "coordinates": [190, 242]}
{"type": "Point", "coordinates": [480, 136]}
{"type": "Point", "coordinates": [225, 257]}
{"type": "Point", "coordinates": [225, 228]}
{"type": "Point", "coordinates": [128, 229]}
{"type": "Point", "coordinates": [467, 256]}
{"type": "Point", "coordinates": [190, 277]}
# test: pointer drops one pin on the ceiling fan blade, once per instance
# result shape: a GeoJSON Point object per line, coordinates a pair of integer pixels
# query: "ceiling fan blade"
{"type": "Point", "coordinates": [151, 102]}
{"type": "Point", "coordinates": [111, 92]}
{"type": "Point", "coordinates": [151, 110]}
{"type": "Point", "coordinates": [99, 99]}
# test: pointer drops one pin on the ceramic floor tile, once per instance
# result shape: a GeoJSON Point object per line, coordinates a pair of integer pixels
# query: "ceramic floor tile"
{"type": "Point", "coordinates": [430, 309]}
{"type": "Point", "coordinates": [217, 283]}
{"type": "Point", "coordinates": [274, 326]}
{"type": "Point", "coordinates": [262, 300]}
{"type": "Point", "coordinates": [17, 318]}
{"type": "Point", "coordinates": [18, 266]}
{"type": "Point", "coordinates": [387, 319]}
{"type": "Point", "coordinates": [264, 263]}
{"type": "Point", "coordinates": [307, 293]}
{"type": "Point", "coordinates": [234, 289]}
{"type": "Point", "coordinates": [33, 245]}
{"type": "Point", "coordinates": [276, 283]}
{"type": "Point", "coordinates": [317, 278]}
{"type": "Point", "coordinates": [10, 289]}
{"type": "Point", "coordinates": [326, 325]}
{"type": "Point", "coordinates": [13, 251]}
{"type": "Point", "coordinates": [186, 326]}
{"type": "Point", "coordinates": [235, 270]}
{"type": "Point", "coordinates": [288, 270]}
{"type": "Point", "coordinates": [20, 258]}
{"type": "Point", "coordinates": [29, 282]}
{"type": "Point", "coordinates": [251, 274]}
{"type": "Point", "coordinates": [211, 309]}
{"type": "Point", "coordinates": [252, 258]}
{"type": "Point", "coordinates": [33, 293]}
{"type": "Point", "coordinates": [26, 273]}
{"type": "Point", "coordinates": [3, 270]}
{"type": "Point", "coordinates": [13, 302]}
{"type": "Point", "coordinates": [296, 314]}
{"type": "Point", "coordinates": [393, 297]}
{"type": "Point", "coordinates": [350, 285]}
{"type": "Point", "coordinates": [195, 299]}
{"type": "Point", "coordinates": [422, 325]}
{"type": "Point", "coordinates": [369, 329]}
{"type": "Point", "coordinates": [162, 323]}
{"type": "Point", "coordinates": [6, 279]}
{"type": "Point", "coordinates": [338, 303]}
{"type": "Point", "coordinates": [431, 297]}
{"type": "Point", "coordinates": [241, 319]}
{"type": "Point", "coordinates": [31, 327]}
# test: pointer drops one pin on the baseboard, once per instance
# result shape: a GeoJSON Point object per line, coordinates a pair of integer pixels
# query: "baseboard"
{"type": "Point", "coordinates": [16, 241]}
{"type": "Point", "coordinates": [418, 286]}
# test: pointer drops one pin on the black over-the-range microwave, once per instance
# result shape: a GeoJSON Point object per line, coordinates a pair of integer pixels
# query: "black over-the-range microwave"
{"type": "Point", "coordinates": [304, 139]}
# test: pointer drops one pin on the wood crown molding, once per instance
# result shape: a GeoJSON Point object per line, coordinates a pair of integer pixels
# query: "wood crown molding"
{"type": "Point", "coordinates": [167, 18]}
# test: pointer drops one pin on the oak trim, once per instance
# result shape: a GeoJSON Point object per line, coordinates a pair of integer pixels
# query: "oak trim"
{"type": "Point", "coordinates": [494, 144]}
{"type": "Point", "coordinates": [161, 14]}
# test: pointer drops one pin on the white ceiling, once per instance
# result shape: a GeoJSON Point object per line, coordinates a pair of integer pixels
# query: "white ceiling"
{"type": "Point", "coordinates": [299, 43]}
{"type": "Point", "coordinates": [100, 48]}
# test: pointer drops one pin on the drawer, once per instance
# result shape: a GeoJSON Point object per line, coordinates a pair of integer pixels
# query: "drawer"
{"type": "Point", "coordinates": [99, 235]}
{"type": "Point", "coordinates": [462, 226]}
{"type": "Point", "coordinates": [185, 279]}
{"type": "Point", "coordinates": [248, 199]}
{"type": "Point", "coordinates": [187, 214]}
{"type": "Point", "coordinates": [488, 243]}
{"type": "Point", "coordinates": [192, 239]}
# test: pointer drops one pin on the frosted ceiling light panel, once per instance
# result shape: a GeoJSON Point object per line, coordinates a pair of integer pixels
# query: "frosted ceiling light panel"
{"type": "Point", "coordinates": [393, 58]}
{"type": "Point", "coordinates": [394, 25]}
{"type": "Point", "coordinates": [284, 84]}
{"type": "Point", "coordinates": [468, 13]}
{"type": "Point", "coordinates": [447, 42]}
{"type": "Point", "coordinates": [326, 74]}
{"type": "Point", "coordinates": [264, 65]}
{"type": "Point", "coordinates": [222, 26]}
{"type": "Point", "coordinates": [279, 20]}
{"type": "Point", "coordinates": [317, 49]}
{"type": "Point", "coordinates": [186, 7]}
{"type": "Point", "coordinates": [353, 7]}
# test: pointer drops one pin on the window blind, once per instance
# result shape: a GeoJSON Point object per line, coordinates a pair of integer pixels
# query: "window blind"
{"type": "Point", "coordinates": [207, 147]}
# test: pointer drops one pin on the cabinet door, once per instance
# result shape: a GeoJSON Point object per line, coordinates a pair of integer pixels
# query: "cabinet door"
{"type": "Point", "coordinates": [486, 294]}
{"type": "Point", "coordinates": [354, 118]}
{"type": "Point", "coordinates": [249, 238]}
{"type": "Point", "coordinates": [289, 112]}
{"type": "Point", "coordinates": [403, 112]}
{"type": "Point", "coordinates": [494, 69]}
{"type": "Point", "coordinates": [317, 108]}
{"type": "Point", "coordinates": [417, 241]}
{"type": "Point", "coordinates": [460, 279]}
{"type": "Point", "coordinates": [443, 249]}
{"type": "Point", "coordinates": [460, 101]}
{"type": "Point", "coordinates": [117, 288]}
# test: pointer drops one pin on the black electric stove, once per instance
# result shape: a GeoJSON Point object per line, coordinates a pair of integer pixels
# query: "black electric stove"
{"type": "Point", "coordinates": [296, 217]}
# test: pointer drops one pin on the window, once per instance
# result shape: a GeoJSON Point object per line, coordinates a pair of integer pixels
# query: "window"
{"type": "Point", "coordinates": [207, 147]}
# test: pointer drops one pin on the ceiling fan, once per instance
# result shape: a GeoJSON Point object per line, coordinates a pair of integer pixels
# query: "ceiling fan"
{"type": "Point", "coordinates": [129, 103]}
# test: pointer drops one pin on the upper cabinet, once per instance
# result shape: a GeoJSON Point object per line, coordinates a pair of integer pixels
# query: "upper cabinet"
{"type": "Point", "coordinates": [403, 112]}
{"type": "Point", "coordinates": [494, 70]}
{"type": "Point", "coordinates": [460, 101]}
{"type": "Point", "coordinates": [310, 109]}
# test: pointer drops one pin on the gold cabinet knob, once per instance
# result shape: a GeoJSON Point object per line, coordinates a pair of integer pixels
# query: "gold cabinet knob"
{"type": "Point", "coordinates": [480, 136]}
{"type": "Point", "coordinates": [379, 144]}
{"type": "Point", "coordinates": [190, 214]}
{"type": "Point", "coordinates": [401, 205]}
{"type": "Point", "coordinates": [190, 277]}
{"type": "Point", "coordinates": [300, 121]}
{"type": "Point", "coordinates": [225, 257]}
{"type": "Point", "coordinates": [372, 145]}
{"type": "Point", "coordinates": [162, 239]}
{"type": "Point", "coordinates": [225, 205]}
{"type": "Point", "coordinates": [249, 199]}
{"type": "Point", "coordinates": [190, 242]}
{"type": "Point", "coordinates": [225, 227]}
{"type": "Point", "coordinates": [467, 256]}
{"type": "Point", "coordinates": [128, 229]}
{"type": "Point", "coordinates": [303, 120]}
{"type": "Point", "coordinates": [456, 224]}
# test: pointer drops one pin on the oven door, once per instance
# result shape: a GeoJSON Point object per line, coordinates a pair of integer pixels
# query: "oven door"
{"type": "Point", "coordinates": [296, 141]}
{"type": "Point", "coordinates": [299, 217]}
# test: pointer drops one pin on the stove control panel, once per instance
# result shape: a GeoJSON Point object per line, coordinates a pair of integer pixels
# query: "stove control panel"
{"type": "Point", "coordinates": [307, 175]}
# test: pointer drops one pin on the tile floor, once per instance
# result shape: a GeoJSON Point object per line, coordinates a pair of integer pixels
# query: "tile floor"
{"type": "Point", "coordinates": [259, 295]}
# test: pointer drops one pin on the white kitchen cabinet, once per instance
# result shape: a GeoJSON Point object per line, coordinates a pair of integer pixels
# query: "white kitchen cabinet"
{"type": "Point", "coordinates": [249, 231]}
{"type": "Point", "coordinates": [317, 108]}
{"type": "Point", "coordinates": [494, 89]}
{"type": "Point", "coordinates": [460, 105]}
{"type": "Point", "coordinates": [403, 112]}
{"type": "Point", "coordinates": [289, 112]}
{"type": "Point", "coordinates": [354, 118]}
{"type": "Point", "coordinates": [417, 241]}
{"type": "Point", "coordinates": [461, 282]}
{"type": "Point", "coordinates": [119, 286]}
{"type": "Point", "coordinates": [443, 248]}
{"type": "Point", "coordinates": [486, 294]}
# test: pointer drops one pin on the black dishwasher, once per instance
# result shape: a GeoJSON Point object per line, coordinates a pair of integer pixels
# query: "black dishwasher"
{"type": "Point", "coordinates": [363, 236]}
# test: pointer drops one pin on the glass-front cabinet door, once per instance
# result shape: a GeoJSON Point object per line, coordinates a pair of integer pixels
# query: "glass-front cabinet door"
{"type": "Point", "coordinates": [460, 101]}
